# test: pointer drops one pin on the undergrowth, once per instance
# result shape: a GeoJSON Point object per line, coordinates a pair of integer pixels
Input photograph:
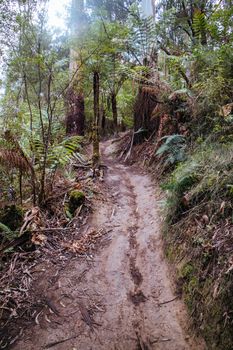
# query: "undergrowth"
{"type": "Point", "coordinates": [199, 238]}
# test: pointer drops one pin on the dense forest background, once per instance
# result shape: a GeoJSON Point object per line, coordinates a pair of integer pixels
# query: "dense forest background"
{"type": "Point", "coordinates": [162, 73]}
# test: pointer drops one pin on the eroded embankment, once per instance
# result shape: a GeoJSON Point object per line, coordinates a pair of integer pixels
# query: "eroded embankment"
{"type": "Point", "coordinates": [199, 238]}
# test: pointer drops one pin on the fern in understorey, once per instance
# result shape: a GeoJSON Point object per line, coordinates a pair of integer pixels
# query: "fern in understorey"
{"type": "Point", "coordinates": [199, 24]}
{"type": "Point", "coordinates": [173, 149]}
{"type": "Point", "coordinates": [12, 159]}
{"type": "Point", "coordinates": [62, 153]}
{"type": "Point", "coordinates": [8, 233]}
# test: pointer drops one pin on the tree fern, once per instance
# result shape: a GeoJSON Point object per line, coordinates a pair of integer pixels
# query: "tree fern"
{"type": "Point", "coordinates": [143, 36]}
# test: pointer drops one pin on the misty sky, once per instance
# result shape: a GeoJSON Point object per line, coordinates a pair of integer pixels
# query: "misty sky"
{"type": "Point", "coordinates": [57, 12]}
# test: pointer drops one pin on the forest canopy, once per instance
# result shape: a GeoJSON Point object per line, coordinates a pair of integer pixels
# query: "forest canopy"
{"type": "Point", "coordinates": [158, 76]}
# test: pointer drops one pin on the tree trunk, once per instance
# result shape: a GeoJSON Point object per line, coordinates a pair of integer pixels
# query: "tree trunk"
{"type": "Point", "coordinates": [114, 110]}
{"type": "Point", "coordinates": [142, 109]}
{"type": "Point", "coordinates": [20, 186]}
{"type": "Point", "coordinates": [96, 149]}
{"type": "Point", "coordinates": [102, 116]}
{"type": "Point", "coordinates": [75, 120]}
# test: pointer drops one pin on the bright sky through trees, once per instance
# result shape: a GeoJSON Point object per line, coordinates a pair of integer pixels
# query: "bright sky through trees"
{"type": "Point", "coordinates": [57, 13]}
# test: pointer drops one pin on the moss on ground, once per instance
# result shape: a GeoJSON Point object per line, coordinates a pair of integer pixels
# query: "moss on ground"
{"type": "Point", "coordinates": [76, 199]}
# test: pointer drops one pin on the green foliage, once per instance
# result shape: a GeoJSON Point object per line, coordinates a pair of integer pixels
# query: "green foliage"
{"type": "Point", "coordinates": [205, 176]}
{"type": "Point", "coordinates": [199, 24]}
{"type": "Point", "coordinates": [220, 25]}
{"type": "Point", "coordinates": [12, 217]}
{"type": "Point", "coordinates": [213, 74]}
{"type": "Point", "coordinates": [32, 106]}
{"type": "Point", "coordinates": [8, 233]}
{"type": "Point", "coordinates": [199, 217]}
{"type": "Point", "coordinates": [142, 37]}
{"type": "Point", "coordinates": [125, 99]}
{"type": "Point", "coordinates": [173, 148]}
{"type": "Point", "coordinates": [76, 199]}
{"type": "Point", "coordinates": [59, 154]}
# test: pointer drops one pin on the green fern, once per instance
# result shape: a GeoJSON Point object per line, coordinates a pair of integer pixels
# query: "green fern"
{"type": "Point", "coordinates": [61, 154]}
{"type": "Point", "coordinates": [8, 233]}
{"type": "Point", "coordinates": [173, 149]}
{"type": "Point", "coordinates": [199, 23]}
{"type": "Point", "coordinates": [143, 36]}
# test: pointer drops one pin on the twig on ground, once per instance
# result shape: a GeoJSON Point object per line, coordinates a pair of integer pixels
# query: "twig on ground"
{"type": "Point", "coordinates": [51, 345]}
{"type": "Point", "coordinates": [168, 301]}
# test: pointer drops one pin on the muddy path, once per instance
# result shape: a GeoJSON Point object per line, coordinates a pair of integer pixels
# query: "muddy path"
{"type": "Point", "coordinates": [120, 298]}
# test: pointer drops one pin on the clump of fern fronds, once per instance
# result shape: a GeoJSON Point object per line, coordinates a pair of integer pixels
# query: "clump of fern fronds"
{"type": "Point", "coordinates": [15, 154]}
{"type": "Point", "coordinates": [206, 176]}
{"type": "Point", "coordinates": [173, 149]}
{"type": "Point", "coordinates": [12, 159]}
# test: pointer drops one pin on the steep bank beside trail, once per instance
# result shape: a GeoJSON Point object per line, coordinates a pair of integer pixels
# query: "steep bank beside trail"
{"type": "Point", "coordinates": [122, 297]}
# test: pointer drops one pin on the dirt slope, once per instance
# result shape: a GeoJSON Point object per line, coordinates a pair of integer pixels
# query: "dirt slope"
{"type": "Point", "coordinates": [122, 297]}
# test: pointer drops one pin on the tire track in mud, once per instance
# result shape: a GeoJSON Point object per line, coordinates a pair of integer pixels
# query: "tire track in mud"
{"type": "Point", "coordinates": [136, 295]}
{"type": "Point", "coordinates": [126, 280]}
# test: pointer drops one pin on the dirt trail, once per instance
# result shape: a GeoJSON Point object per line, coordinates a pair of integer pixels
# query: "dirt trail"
{"type": "Point", "coordinates": [122, 298]}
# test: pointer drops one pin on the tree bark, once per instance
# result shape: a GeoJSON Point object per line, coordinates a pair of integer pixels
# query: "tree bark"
{"type": "Point", "coordinates": [75, 120]}
{"type": "Point", "coordinates": [114, 110]}
{"type": "Point", "coordinates": [96, 149]}
{"type": "Point", "coordinates": [142, 109]}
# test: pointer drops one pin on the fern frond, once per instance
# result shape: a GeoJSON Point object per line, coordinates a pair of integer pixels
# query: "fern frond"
{"type": "Point", "coordinates": [174, 148]}
{"type": "Point", "coordinates": [62, 153]}
{"type": "Point", "coordinates": [17, 156]}
{"type": "Point", "coordinates": [199, 22]}
{"type": "Point", "coordinates": [9, 234]}
{"type": "Point", "coordinates": [12, 159]}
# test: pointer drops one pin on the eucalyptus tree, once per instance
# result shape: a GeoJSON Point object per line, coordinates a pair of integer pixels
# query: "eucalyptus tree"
{"type": "Point", "coordinates": [111, 10]}
{"type": "Point", "coordinates": [75, 120]}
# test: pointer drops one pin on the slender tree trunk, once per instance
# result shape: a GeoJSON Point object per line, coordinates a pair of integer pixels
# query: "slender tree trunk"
{"type": "Point", "coordinates": [142, 110]}
{"type": "Point", "coordinates": [153, 7]}
{"type": "Point", "coordinates": [114, 110]}
{"type": "Point", "coordinates": [96, 89]}
{"type": "Point", "coordinates": [28, 102]}
{"type": "Point", "coordinates": [96, 149]}
{"type": "Point", "coordinates": [20, 187]}
{"type": "Point", "coordinates": [75, 120]}
{"type": "Point", "coordinates": [103, 121]}
{"type": "Point", "coordinates": [102, 115]}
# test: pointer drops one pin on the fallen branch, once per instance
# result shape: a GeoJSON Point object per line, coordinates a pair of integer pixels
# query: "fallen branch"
{"type": "Point", "coordinates": [51, 345]}
{"type": "Point", "coordinates": [16, 242]}
{"type": "Point", "coordinates": [168, 301]}
{"type": "Point", "coordinates": [51, 229]}
{"type": "Point", "coordinates": [160, 340]}
{"type": "Point", "coordinates": [121, 138]}
{"type": "Point", "coordinates": [60, 194]}
{"type": "Point", "coordinates": [142, 344]}
{"type": "Point", "coordinates": [130, 149]}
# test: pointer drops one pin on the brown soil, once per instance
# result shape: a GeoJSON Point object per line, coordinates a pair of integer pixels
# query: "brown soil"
{"type": "Point", "coordinates": [122, 297]}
